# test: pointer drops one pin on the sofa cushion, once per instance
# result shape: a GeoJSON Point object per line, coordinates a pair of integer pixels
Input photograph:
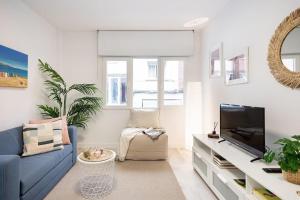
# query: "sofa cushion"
{"type": "Point", "coordinates": [65, 134]}
{"type": "Point", "coordinates": [11, 141]}
{"type": "Point", "coordinates": [144, 119]}
{"type": "Point", "coordinates": [34, 168]}
{"type": "Point", "coordinates": [41, 138]}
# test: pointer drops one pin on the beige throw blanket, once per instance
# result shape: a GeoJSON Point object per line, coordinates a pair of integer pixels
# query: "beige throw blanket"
{"type": "Point", "coordinates": [126, 136]}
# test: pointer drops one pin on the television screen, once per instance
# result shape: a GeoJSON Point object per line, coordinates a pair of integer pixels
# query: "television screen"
{"type": "Point", "coordinates": [243, 126]}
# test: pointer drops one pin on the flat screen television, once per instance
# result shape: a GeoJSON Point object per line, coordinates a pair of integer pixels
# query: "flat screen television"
{"type": "Point", "coordinates": [244, 126]}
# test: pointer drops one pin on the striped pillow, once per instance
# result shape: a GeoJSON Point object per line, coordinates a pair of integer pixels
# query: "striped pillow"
{"type": "Point", "coordinates": [42, 138]}
{"type": "Point", "coordinates": [65, 134]}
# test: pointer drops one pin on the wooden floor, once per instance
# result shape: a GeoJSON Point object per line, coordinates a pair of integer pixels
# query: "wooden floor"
{"type": "Point", "coordinates": [193, 187]}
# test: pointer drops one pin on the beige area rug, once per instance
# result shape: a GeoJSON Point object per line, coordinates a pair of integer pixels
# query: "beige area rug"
{"type": "Point", "coordinates": [134, 180]}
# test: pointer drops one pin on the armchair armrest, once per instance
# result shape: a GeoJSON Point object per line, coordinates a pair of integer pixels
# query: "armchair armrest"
{"type": "Point", "coordinates": [9, 177]}
{"type": "Point", "coordinates": [73, 138]}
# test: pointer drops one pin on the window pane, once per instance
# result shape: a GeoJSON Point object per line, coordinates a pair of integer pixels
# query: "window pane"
{"type": "Point", "coordinates": [173, 82]}
{"type": "Point", "coordinates": [116, 74]}
{"type": "Point", "coordinates": [145, 92]}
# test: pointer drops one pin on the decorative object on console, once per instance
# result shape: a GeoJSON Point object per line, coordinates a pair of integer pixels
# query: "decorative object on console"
{"type": "Point", "coordinates": [241, 182]}
{"type": "Point", "coordinates": [264, 194]}
{"type": "Point", "coordinates": [222, 162]}
{"type": "Point", "coordinates": [80, 110]}
{"type": "Point", "coordinates": [214, 133]}
{"type": "Point", "coordinates": [288, 158]}
{"type": "Point", "coordinates": [236, 68]}
{"type": "Point", "coordinates": [13, 68]}
{"type": "Point", "coordinates": [283, 55]}
{"type": "Point", "coordinates": [216, 61]}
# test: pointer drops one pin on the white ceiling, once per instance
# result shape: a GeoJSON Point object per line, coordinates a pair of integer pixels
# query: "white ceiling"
{"type": "Point", "coordinates": [83, 15]}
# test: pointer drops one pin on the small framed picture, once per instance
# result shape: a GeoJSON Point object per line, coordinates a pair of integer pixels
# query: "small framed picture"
{"type": "Point", "coordinates": [216, 61]}
{"type": "Point", "coordinates": [236, 68]}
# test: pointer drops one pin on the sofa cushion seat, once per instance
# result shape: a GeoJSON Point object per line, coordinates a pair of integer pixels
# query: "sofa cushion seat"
{"type": "Point", "coordinates": [34, 168]}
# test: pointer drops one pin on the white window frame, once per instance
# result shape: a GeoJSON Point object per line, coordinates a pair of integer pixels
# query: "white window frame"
{"type": "Point", "coordinates": [129, 94]}
{"type": "Point", "coordinates": [104, 82]}
{"type": "Point", "coordinates": [162, 72]}
{"type": "Point", "coordinates": [158, 80]}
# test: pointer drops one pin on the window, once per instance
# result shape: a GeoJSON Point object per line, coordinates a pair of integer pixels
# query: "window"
{"type": "Point", "coordinates": [145, 91]}
{"type": "Point", "coordinates": [116, 86]}
{"type": "Point", "coordinates": [143, 82]}
{"type": "Point", "coordinates": [152, 69]}
{"type": "Point", "coordinates": [173, 82]}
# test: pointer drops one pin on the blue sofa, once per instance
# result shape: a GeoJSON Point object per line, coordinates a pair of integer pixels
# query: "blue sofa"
{"type": "Point", "coordinates": [33, 177]}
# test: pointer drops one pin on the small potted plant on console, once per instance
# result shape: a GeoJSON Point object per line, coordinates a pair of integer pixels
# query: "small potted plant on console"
{"type": "Point", "coordinates": [287, 157]}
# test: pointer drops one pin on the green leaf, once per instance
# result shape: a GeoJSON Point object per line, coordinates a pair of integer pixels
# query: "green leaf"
{"type": "Point", "coordinates": [55, 91]}
{"type": "Point", "coordinates": [282, 141]}
{"type": "Point", "coordinates": [297, 137]}
{"type": "Point", "coordinates": [95, 101]}
{"type": "Point", "coordinates": [78, 120]}
{"type": "Point", "coordinates": [80, 110]}
{"type": "Point", "coordinates": [85, 108]}
{"type": "Point", "coordinates": [269, 156]}
{"type": "Point", "coordinates": [49, 71]}
{"type": "Point", "coordinates": [86, 89]}
{"type": "Point", "coordinates": [54, 95]}
{"type": "Point", "coordinates": [289, 154]}
{"type": "Point", "coordinates": [48, 111]}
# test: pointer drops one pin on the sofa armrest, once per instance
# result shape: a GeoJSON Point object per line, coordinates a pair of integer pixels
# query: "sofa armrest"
{"type": "Point", "coordinates": [9, 177]}
{"type": "Point", "coordinates": [73, 138]}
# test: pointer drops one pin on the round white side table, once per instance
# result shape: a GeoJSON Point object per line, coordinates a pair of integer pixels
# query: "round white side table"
{"type": "Point", "coordinates": [97, 177]}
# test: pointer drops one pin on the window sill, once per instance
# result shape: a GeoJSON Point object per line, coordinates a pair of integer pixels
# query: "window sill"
{"type": "Point", "coordinates": [116, 108]}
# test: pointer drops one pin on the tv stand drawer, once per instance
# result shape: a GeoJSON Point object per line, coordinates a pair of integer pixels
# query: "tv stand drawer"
{"type": "Point", "coordinates": [200, 165]}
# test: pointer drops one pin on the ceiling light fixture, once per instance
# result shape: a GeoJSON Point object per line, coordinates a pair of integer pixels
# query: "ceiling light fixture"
{"type": "Point", "coordinates": [195, 23]}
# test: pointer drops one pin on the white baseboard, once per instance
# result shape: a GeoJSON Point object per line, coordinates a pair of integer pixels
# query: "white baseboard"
{"type": "Point", "coordinates": [115, 146]}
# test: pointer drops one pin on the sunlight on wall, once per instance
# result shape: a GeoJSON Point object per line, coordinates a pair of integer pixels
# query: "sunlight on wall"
{"type": "Point", "coordinates": [193, 112]}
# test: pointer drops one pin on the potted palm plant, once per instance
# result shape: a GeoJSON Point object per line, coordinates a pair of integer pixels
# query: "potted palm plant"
{"type": "Point", "coordinates": [287, 157]}
{"type": "Point", "coordinates": [80, 110]}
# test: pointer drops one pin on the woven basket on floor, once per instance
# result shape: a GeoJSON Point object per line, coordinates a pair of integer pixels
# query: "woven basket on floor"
{"type": "Point", "coordinates": [292, 177]}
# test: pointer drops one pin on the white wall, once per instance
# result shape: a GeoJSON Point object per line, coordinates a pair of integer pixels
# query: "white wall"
{"type": "Point", "coordinates": [74, 54]}
{"type": "Point", "coordinates": [25, 31]}
{"type": "Point", "coordinates": [79, 61]}
{"type": "Point", "coordinates": [250, 23]}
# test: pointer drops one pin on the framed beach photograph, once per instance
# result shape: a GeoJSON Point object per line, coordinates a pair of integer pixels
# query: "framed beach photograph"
{"type": "Point", "coordinates": [13, 68]}
{"type": "Point", "coordinates": [216, 61]}
{"type": "Point", "coordinates": [236, 68]}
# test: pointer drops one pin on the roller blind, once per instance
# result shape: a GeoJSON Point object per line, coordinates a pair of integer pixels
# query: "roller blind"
{"type": "Point", "coordinates": [145, 43]}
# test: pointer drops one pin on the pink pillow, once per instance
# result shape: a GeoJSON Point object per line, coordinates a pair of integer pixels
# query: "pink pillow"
{"type": "Point", "coordinates": [65, 133]}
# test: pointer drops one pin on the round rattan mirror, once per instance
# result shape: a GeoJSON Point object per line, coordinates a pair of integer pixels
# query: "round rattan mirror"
{"type": "Point", "coordinates": [283, 55]}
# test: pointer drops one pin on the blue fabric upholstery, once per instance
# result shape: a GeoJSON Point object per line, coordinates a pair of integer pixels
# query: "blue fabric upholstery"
{"type": "Point", "coordinates": [34, 168]}
{"type": "Point", "coordinates": [73, 138]}
{"type": "Point", "coordinates": [42, 188]}
{"type": "Point", "coordinates": [11, 141]}
{"type": "Point", "coordinates": [31, 178]}
{"type": "Point", "coordinates": [9, 177]}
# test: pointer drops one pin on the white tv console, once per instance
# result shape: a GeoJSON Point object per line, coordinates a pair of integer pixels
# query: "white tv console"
{"type": "Point", "coordinates": [221, 180]}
